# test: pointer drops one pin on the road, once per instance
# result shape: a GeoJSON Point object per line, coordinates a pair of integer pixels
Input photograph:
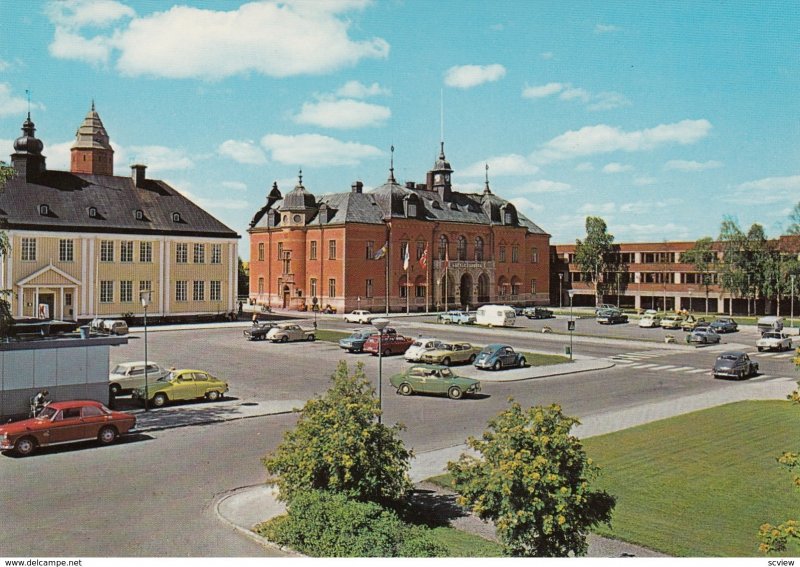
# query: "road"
{"type": "Point", "coordinates": [152, 495]}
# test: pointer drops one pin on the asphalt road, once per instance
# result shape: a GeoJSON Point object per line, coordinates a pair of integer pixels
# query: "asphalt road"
{"type": "Point", "coordinates": [151, 495]}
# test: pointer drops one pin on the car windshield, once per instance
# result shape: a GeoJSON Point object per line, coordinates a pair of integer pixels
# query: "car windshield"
{"type": "Point", "coordinates": [728, 357]}
{"type": "Point", "coordinates": [119, 369]}
{"type": "Point", "coordinates": [168, 378]}
{"type": "Point", "coordinates": [47, 413]}
{"type": "Point", "coordinates": [446, 373]}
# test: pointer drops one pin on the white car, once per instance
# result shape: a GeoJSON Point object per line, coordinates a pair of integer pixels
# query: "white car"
{"type": "Point", "coordinates": [672, 322]}
{"type": "Point", "coordinates": [650, 320]}
{"type": "Point", "coordinates": [772, 340]}
{"type": "Point", "coordinates": [285, 332]}
{"type": "Point", "coordinates": [359, 316]}
{"type": "Point", "coordinates": [420, 347]}
{"type": "Point", "coordinates": [127, 376]}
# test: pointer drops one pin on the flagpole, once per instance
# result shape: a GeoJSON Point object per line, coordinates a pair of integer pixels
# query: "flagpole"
{"type": "Point", "coordinates": [386, 265]}
{"type": "Point", "coordinates": [428, 281]}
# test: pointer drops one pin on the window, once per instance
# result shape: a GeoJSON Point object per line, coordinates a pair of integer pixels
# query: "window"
{"type": "Point", "coordinates": [370, 249]}
{"type": "Point", "coordinates": [313, 252]}
{"type": "Point", "coordinates": [331, 250]}
{"type": "Point", "coordinates": [403, 287]}
{"type": "Point", "coordinates": [443, 247]}
{"type": "Point", "coordinates": [92, 212]}
{"type": "Point", "coordinates": [44, 210]}
{"type": "Point", "coordinates": [145, 285]}
{"type": "Point", "coordinates": [501, 253]}
{"type": "Point", "coordinates": [180, 290]}
{"type": "Point", "coordinates": [313, 287]}
{"type": "Point", "coordinates": [138, 214]}
{"type": "Point", "coordinates": [534, 255]}
{"type": "Point", "coordinates": [126, 251]}
{"type": "Point", "coordinates": [420, 249]}
{"type": "Point", "coordinates": [126, 291]}
{"type": "Point", "coordinates": [507, 217]}
{"type": "Point", "coordinates": [533, 287]}
{"type": "Point", "coordinates": [216, 253]}
{"type": "Point", "coordinates": [68, 299]}
{"type": "Point", "coordinates": [420, 290]}
{"type": "Point", "coordinates": [479, 249]}
{"type": "Point", "coordinates": [106, 250]}
{"type": "Point", "coordinates": [280, 250]}
{"type": "Point", "coordinates": [199, 254]}
{"type": "Point", "coordinates": [146, 252]}
{"type": "Point", "coordinates": [66, 251]}
{"type": "Point", "coordinates": [176, 217]}
{"type": "Point", "coordinates": [369, 289]}
{"type": "Point", "coordinates": [514, 253]}
{"type": "Point", "coordinates": [462, 248]}
{"type": "Point", "coordinates": [260, 251]}
{"type": "Point", "coordinates": [331, 287]}
{"type": "Point", "coordinates": [216, 290]}
{"type": "Point", "coordinates": [287, 262]}
{"type": "Point", "coordinates": [260, 286]}
{"type": "Point", "coordinates": [412, 209]}
{"type": "Point", "coordinates": [106, 291]}
{"type": "Point", "coordinates": [199, 291]}
{"type": "Point", "coordinates": [181, 254]}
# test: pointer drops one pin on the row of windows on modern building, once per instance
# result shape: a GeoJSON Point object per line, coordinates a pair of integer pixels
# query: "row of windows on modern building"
{"type": "Point", "coordinates": [666, 277]}
{"type": "Point", "coordinates": [443, 250]}
{"type": "Point", "coordinates": [626, 258]}
{"type": "Point", "coordinates": [66, 251]}
{"type": "Point", "coordinates": [126, 295]}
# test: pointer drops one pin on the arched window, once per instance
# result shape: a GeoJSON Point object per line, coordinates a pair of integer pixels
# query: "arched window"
{"type": "Point", "coordinates": [479, 249]}
{"type": "Point", "coordinates": [443, 243]}
{"type": "Point", "coordinates": [462, 248]}
{"type": "Point", "coordinates": [260, 286]}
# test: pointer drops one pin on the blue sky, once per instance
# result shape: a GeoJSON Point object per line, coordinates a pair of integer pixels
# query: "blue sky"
{"type": "Point", "coordinates": [661, 117]}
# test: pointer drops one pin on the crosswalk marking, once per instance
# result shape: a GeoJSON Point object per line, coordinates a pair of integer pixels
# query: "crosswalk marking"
{"type": "Point", "coordinates": [697, 371]}
{"type": "Point", "coordinates": [646, 365]}
{"type": "Point", "coordinates": [665, 367]}
{"type": "Point", "coordinates": [681, 369]}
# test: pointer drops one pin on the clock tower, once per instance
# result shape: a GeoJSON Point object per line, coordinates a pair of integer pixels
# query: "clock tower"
{"type": "Point", "coordinates": [439, 176]}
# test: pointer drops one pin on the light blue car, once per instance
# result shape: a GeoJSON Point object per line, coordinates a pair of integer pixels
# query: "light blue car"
{"type": "Point", "coordinates": [460, 317]}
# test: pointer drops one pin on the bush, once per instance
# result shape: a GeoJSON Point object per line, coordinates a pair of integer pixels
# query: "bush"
{"type": "Point", "coordinates": [326, 524]}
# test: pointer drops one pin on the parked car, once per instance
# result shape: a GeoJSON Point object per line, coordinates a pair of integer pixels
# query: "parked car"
{"type": "Point", "coordinates": [772, 340]}
{"type": "Point", "coordinates": [427, 379]}
{"type": "Point", "coordinates": [389, 344]}
{"type": "Point", "coordinates": [285, 332]}
{"type": "Point", "coordinates": [672, 322]}
{"type": "Point", "coordinates": [734, 364]}
{"type": "Point", "coordinates": [114, 327]}
{"type": "Point", "coordinates": [704, 336]}
{"type": "Point", "coordinates": [258, 332]}
{"type": "Point", "coordinates": [360, 316]}
{"type": "Point", "coordinates": [182, 385]}
{"type": "Point", "coordinates": [497, 356]}
{"type": "Point", "coordinates": [419, 347]}
{"type": "Point", "coordinates": [355, 342]}
{"type": "Point", "coordinates": [127, 376]}
{"type": "Point", "coordinates": [725, 325]}
{"type": "Point", "coordinates": [702, 325]}
{"type": "Point", "coordinates": [650, 320]}
{"type": "Point", "coordinates": [451, 353]}
{"type": "Point", "coordinates": [65, 422]}
{"type": "Point", "coordinates": [455, 316]}
{"type": "Point", "coordinates": [691, 323]}
{"type": "Point", "coordinates": [604, 306]}
{"type": "Point", "coordinates": [537, 313]}
{"type": "Point", "coordinates": [611, 317]}
{"type": "Point", "coordinates": [770, 323]}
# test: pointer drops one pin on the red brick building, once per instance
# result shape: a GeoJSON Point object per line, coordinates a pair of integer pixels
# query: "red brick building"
{"type": "Point", "coordinates": [349, 250]}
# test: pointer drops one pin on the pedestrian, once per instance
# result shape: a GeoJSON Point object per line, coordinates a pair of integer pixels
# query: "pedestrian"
{"type": "Point", "coordinates": [255, 318]}
{"type": "Point", "coordinates": [241, 307]}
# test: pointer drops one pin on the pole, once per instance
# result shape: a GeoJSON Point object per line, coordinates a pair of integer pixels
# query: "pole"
{"type": "Point", "coordinates": [427, 280]}
{"type": "Point", "coordinates": [386, 266]}
{"type": "Point", "coordinates": [380, 373]}
{"type": "Point", "coordinates": [791, 316]}
{"type": "Point", "coordinates": [146, 361]}
{"type": "Point", "coordinates": [571, 327]}
{"type": "Point", "coordinates": [560, 293]}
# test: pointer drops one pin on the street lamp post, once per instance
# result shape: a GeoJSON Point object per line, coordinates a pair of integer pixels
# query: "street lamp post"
{"type": "Point", "coordinates": [315, 308]}
{"type": "Point", "coordinates": [690, 300]}
{"type": "Point", "coordinates": [145, 297]}
{"type": "Point", "coordinates": [791, 315]}
{"type": "Point", "coordinates": [560, 293]}
{"type": "Point", "coordinates": [571, 324]}
{"type": "Point", "coordinates": [380, 324]}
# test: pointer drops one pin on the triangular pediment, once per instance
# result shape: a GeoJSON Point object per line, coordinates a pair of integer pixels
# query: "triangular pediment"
{"type": "Point", "coordinates": [48, 276]}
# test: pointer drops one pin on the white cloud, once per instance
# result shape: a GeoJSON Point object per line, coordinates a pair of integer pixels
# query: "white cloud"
{"type": "Point", "coordinates": [524, 204]}
{"type": "Point", "coordinates": [567, 92]}
{"type": "Point", "coordinates": [597, 208]}
{"type": "Point", "coordinates": [345, 113]}
{"type": "Point", "coordinates": [607, 101]}
{"type": "Point", "coordinates": [602, 139]}
{"type": "Point", "coordinates": [684, 165]}
{"type": "Point", "coordinates": [572, 93]}
{"type": "Point", "coordinates": [243, 151]}
{"type": "Point", "coordinates": [58, 155]}
{"type": "Point", "coordinates": [234, 186]}
{"type": "Point", "coordinates": [606, 28]}
{"type": "Point", "coordinates": [82, 13]}
{"type": "Point", "coordinates": [11, 105]}
{"type": "Point", "coordinates": [356, 89]}
{"type": "Point", "coordinates": [542, 90]}
{"type": "Point", "coordinates": [185, 188]}
{"type": "Point", "coordinates": [316, 150]}
{"type": "Point", "coordinates": [615, 167]}
{"type": "Point", "coordinates": [468, 76]}
{"type": "Point", "coordinates": [4, 65]}
{"type": "Point", "coordinates": [468, 187]}
{"type": "Point", "coordinates": [644, 180]}
{"type": "Point", "coordinates": [644, 207]}
{"type": "Point", "coordinates": [499, 166]}
{"type": "Point", "coordinates": [768, 190]}
{"type": "Point", "coordinates": [650, 232]}
{"type": "Point", "coordinates": [277, 39]}
{"type": "Point", "coordinates": [543, 186]}
{"type": "Point", "coordinates": [156, 158]}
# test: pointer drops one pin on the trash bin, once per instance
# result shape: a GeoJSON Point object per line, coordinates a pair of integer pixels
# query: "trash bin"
{"type": "Point", "coordinates": [84, 331]}
{"type": "Point", "coordinates": [568, 350]}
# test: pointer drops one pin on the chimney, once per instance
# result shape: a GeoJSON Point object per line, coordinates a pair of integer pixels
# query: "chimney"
{"type": "Point", "coordinates": [409, 184]}
{"type": "Point", "coordinates": [357, 187]}
{"type": "Point", "coordinates": [137, 174]}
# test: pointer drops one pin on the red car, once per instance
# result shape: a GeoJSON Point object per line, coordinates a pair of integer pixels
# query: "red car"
{"type": "Point", "coordinates": [390, 344]}
{"type": "Point", "coordinates": [65, 422]}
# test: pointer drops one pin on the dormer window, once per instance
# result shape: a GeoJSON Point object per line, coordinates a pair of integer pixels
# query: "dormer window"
{"type": "Point", "coordinates": [176, 217]}
{"type": "Point", "coordinates": [412, 209]}
{"type": "Point", "coordinates": [138, 214]}
{"type": "Point", "coordinates": [44, 210]}
{"type": "Point", "coordinates": [92, 212]}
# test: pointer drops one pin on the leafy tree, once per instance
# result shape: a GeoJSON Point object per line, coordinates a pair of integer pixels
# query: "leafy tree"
{"type": "Point", "coordinates": [532, 480]}
{"type": "Point", "coordinates": [243, 278]}
{"type": "Point", "coordinates": [794, 217]}
{"type": "Point", "coordinates": [595, 255]}
{"type": "Point", "coordinates": [704, 259]}
{"type": "Point", "coordinates": [733, 268]}
{"type": "Point", "coordinates": [6, 319]}
{"type": "Point", "coordinates": [339, 446]}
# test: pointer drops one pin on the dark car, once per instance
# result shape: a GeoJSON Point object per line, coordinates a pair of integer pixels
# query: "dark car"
{"type": "Point", "coordinates": [734, 364]}
{"type": "Point", "coordinates": [498, 356]}
{"type": "Point", "coordinates": [389, 344]}
{"type": "Point", "coordinates": [355, 342]}
{"type": "Point", "coordinates": [258, 332]}
{"type": "Point", "coordinates": [537, 313]}
{"type": "Point", "coordinates": [611, 317]}
{"type": "Point", "coordinates": [725, 325]}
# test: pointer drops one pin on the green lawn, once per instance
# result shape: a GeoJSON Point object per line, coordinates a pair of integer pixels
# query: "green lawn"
{"type": "Point", "coordinates": [703, 483]}
{"type": "Point", "coordinates": [463, 544]}
{"type": "Point", "coordinates": [539, 359]}
{"type": "Point", "coordinates": [330, 336]}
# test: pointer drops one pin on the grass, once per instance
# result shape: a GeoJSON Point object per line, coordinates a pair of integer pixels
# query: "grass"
{"type": "Point", "coordinates": [539, 359]}
{"type": "Point", "coordinates": [330, 336]}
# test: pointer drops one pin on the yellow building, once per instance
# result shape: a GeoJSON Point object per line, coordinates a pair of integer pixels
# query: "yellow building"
{"type": "Point", "coordinates": [85, 243]}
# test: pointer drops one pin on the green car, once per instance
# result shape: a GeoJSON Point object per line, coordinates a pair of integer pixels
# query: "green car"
{"type": "Point", "coordinates": [430, 379]}
{"type": "Point", "coordinates": [182, 385]}
{"type": "Point", "coordinates": [451, 353]}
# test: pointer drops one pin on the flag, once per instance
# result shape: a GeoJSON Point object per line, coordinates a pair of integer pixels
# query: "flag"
{"type": "Point", "coordinates": [406, 258]}
{"type": "Point", "coordinates": [423, 260]}
{"type": "Point", "coordinates": [381, 253]}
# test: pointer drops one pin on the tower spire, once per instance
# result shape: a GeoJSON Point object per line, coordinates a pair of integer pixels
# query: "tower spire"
{"type": "Point", "coordinates": [391, 166]}
{"type": "Point", "coordinates": [486, 190]}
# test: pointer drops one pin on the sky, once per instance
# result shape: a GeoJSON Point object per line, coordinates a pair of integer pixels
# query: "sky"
{"type": "Point", "coordinates": [663, 118]}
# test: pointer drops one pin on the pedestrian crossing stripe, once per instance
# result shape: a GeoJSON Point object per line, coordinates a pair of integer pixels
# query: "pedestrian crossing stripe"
{"type": "Point", "coordinates": [682, 369]}
{"type": "Point", "coordinates": [665, 367]}
{"type": "Point", "coordinates": [697, 371]}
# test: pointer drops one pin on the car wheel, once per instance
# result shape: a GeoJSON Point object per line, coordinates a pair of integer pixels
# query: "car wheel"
{"type": "Point", "coordinates": [446, 361]}
{"type": "Point", "coordinates": [522, 362]}
{"type": "Point", "coordinates": [159, 400]}
{"type": "Point", "coordinates": [285, 339]}
{"type": "Point", "coordinates": [471, 358]}
{"type": "Point", "coordinates": [387, 352]}
{"type": "Point", "coordinates": [405, 389]}
{"type": "Point", "coordinates": [24, 446]}
{"type": "Point", "coordinates": [497, 365]}
{"type": "Point", "coordinates": [760, 349]}
{"type": "Point", "coordinates": [107, 435]}
{"type": "Point", "coordinates": [114, 389]}
{"type": "Point", "coordinates": [212, 396]}
{"type": "Point", "coordinates": [454, 393]}
{"type": "Point", "coordinates": [311, 338]}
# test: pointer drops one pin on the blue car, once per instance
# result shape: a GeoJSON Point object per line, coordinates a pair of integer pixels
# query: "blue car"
{"type": "Point", "coordinates": [498, 356]}
{"type": "Point", "coordinates": [725, 325]}
{"type": "Point", "coordinates": [355, 342]}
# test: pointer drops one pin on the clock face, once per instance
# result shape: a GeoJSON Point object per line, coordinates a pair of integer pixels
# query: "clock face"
{"type": "Point", "coordinates": [447, 177]}
{"type": "Point", "coordinates": [437, 178]}
{"type": "Point", "coordinates": [297, 218]}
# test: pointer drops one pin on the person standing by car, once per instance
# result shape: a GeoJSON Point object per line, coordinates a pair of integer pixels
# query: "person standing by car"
{"type": "Point", "coordinates": [38, 402]}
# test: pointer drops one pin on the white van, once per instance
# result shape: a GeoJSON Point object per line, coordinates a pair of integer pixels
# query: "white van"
{"type": "Point", "coordinates": [772, 323]}
{"type": "Point", "coordinates": [496, 316]}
